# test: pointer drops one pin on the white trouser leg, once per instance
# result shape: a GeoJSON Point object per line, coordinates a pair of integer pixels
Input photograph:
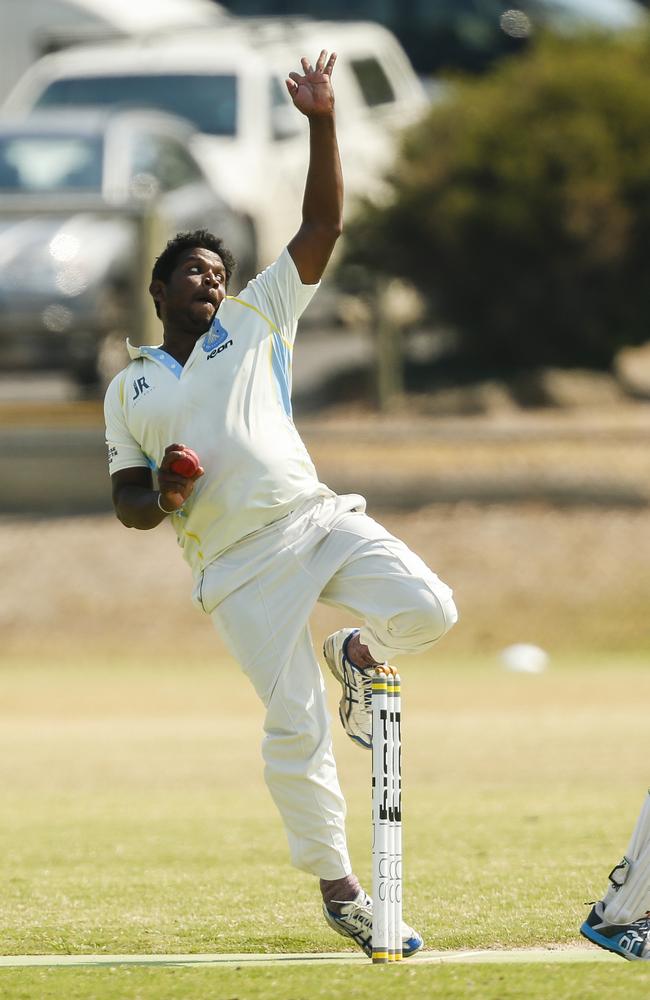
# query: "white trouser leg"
{"type": "Point", "coordinates": [404, 606]}
{"type": "Point", "coordinates": [300, 769]}
{"type": "Point", "coordinates": [264, 622]}
{"type": "Point", "coordinates": [260, 595]}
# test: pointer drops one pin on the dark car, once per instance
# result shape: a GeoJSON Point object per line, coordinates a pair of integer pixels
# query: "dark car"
{"type": "Point", "coordinates": [86, 199]}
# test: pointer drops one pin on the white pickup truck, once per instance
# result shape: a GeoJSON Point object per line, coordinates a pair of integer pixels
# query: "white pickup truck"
{"type": "Point", "coordinates": [229, 81]}
{"type": "Point", "coordinates": [30, 29]}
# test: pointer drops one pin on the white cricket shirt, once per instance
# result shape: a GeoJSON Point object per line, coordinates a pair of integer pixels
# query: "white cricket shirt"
{"type": "Point", "coordinates": [230, 402]}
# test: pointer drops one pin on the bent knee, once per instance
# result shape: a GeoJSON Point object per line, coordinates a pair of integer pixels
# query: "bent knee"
{"type": "Point", "coordinates": [431, 617]}
{"type": "Point", "coordinates": [447, 615]}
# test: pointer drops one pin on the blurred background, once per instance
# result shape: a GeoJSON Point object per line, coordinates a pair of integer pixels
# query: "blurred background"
{"type": "Point", "coordinates": [477, 362]}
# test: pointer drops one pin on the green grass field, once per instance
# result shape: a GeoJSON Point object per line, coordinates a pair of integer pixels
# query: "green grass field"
{"type": "Point", "coordinates": [135, 820]}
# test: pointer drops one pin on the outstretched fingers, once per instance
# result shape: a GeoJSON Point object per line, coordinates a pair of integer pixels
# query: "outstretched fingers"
{"type": "Point", "coordinates": [311, 75]}
{"type": "Point", "coordinates": [330, 64]}
{"type": "Point", "coordinates": [323, 64]}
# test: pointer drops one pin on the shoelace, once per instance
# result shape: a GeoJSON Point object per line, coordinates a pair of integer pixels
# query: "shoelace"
{"type": "Point", "coordinates": [363, 909]}
{"type": "Point", "coordinates": [366, 691]}
{"type": "Point", "coordinates": [366, 686]}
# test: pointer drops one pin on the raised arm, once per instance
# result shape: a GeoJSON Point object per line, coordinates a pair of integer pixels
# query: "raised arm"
{"type": "Point", "coordinates": [322, 207]}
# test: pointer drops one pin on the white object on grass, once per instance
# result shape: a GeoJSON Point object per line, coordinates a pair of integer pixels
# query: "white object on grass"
{"type": "Point", "coordinates": [524, 658]}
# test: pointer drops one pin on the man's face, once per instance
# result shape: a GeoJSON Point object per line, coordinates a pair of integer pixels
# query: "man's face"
{"type": "Point", "coordinates": [196, 289]}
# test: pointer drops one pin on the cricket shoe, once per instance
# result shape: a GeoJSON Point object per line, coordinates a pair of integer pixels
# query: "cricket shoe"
{"type": "Point", "coordinates": [632, 941]}
{"type": "Point", "coordinates": [355, 921]}
{"type": "Point", "coordinates": [355, 706]}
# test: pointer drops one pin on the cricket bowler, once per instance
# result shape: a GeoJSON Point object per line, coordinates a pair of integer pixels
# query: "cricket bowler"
{"type": "Point", "coordinates": [265, 539]}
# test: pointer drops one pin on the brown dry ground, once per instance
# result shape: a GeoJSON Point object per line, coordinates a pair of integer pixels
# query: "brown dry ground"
{"type": "Point", "coordinates": [574, 579]}
{"type": "Point", "coordinates": [571, 578]}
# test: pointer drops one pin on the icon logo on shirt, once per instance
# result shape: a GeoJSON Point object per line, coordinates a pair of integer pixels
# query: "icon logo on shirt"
{"type": "Point", "coordinates": [218, 350]}
{"type": "Point", "coordinates": [216, 336]}
{"type": "Point", "coordinates": [140, 386]}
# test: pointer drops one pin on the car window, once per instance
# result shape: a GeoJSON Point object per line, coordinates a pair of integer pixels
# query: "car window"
{"type": "Point", "coordinates": [49, 163]}
{"type": "Point", "coordinates": [209, 101]}
{"type": "Point", "coordinates": [373, 82]}
{"type": "Point", "coordinates": [165, 159]}
{"type": "Point", "coordinates": [279, 98]}
{"type": "Point", "coordinates": [284, 120]}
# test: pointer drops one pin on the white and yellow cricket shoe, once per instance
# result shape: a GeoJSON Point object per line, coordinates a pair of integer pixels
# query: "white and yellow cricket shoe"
{"type": "Point", "coordinates": [354, 920]}
{"type": "Point", "coordinates": [355, 706]}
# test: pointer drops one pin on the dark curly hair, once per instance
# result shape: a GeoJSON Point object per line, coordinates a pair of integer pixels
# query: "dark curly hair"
{"type": "Point", "coordinates": [176, 247]}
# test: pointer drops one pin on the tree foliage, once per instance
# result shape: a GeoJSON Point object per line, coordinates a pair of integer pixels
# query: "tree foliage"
{"type": "Point", "coordinates": [520, 207]}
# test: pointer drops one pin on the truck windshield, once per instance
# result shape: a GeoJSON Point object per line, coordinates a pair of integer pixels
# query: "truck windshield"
{"type": "Point", "coordinates": [208, 101]}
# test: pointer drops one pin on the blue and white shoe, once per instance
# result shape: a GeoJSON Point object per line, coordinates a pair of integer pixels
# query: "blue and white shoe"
{"type": "Point", "coordinates": [355, 921]}
{"type": "Point", "coordinates": [631, 941]}
{"type": "Point", "coordinates": [355, 706]}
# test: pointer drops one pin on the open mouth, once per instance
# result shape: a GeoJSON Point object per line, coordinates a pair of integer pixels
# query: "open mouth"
{"type": "Point", "coordinates": [206, 313]}
{"type": "Point", "coordinates": [208, 301]}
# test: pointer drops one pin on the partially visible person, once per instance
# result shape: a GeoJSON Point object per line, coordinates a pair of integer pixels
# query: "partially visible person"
{"type": "Point", "coordinates": [620, 921]}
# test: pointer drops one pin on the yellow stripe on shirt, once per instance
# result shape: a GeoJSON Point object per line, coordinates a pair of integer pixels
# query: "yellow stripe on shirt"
{"type": "Point", "coordinates": [265, 318]}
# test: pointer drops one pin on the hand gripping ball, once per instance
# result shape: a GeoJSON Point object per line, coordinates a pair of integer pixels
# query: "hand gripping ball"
{"type": "Point", "coordinates": [187, 465]}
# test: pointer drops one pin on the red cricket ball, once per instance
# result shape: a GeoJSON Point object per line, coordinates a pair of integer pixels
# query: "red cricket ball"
{"type": "Point", "coordinates": [187, 465]}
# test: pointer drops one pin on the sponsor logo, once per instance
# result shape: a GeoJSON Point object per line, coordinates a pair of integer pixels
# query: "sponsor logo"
{"type": "Point", "coordinates": [632, 942]}
{"type": "Point", "coordinates": [140, 386]}
{"type": "Point", "coordinates": [112, 453]}
{"type": "Point", "coordinates": [218, 350]}
{"type": "Point", "coordinates": [216, 336]}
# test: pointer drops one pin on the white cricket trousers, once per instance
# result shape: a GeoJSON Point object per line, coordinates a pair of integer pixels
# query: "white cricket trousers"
{"type": "Point", "coordinates": [260, 594]}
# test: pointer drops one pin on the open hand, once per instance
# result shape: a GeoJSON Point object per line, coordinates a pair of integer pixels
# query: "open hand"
{"type": "Point", "coordinates": [312, 92]}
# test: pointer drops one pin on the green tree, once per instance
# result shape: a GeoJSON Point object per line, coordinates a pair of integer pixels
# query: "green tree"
{"type": "Point", "coordinates": [520, 207]}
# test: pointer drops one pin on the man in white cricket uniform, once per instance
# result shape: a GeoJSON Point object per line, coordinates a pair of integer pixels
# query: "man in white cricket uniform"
{"type": "Point", "coordinates": [264, 538]}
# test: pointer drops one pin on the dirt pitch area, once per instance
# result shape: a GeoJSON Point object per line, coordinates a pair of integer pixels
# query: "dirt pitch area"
{"type": "Point", "coordinates": [521, 573]}
{"type": "Point", "coordinates": [567, 570]}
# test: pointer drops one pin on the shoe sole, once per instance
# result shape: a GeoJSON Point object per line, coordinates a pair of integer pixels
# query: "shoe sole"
{"type": "Point", "coordinates": [604, 942]}
{"type": "Point", "coordinates": [333, 922]}
{"type": "Point", "coordinates": [367, 745]}
{"type": "Point", "coordinates": [330, 660]}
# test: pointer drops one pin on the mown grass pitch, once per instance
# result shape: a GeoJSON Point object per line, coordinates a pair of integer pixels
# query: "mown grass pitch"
{"type": "Point", "coordinates": [135, 820]}
{"type": "Point", "coordinates": [573, 982]}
